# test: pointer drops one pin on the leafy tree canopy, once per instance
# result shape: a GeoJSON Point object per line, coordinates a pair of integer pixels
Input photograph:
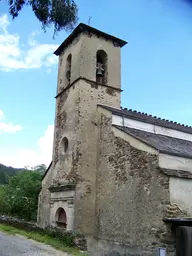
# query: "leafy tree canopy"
{"type": "Point", "coordinates": [62, 14]}
{"type": "Point", "coordinates": [39, 168]}
{"type": "Point", "coordinates": [19, 190]}
{"type": "Point", "coordinates": [22, 194]}
{"type": "Point", "coordinates": [6, 172]}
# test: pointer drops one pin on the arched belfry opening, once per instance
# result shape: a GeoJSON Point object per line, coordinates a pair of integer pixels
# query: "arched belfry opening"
{"type": "Point", "coordinates": [61, 218]}
{"type": "Point", "coordinates": [68, 69]}
{"type": "Point", "coordinates": [101, 67]}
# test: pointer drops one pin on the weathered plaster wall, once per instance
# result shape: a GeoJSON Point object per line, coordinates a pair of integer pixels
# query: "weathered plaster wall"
{"type": "Point", "coordinates": [90, 46]}
{"type": "Point", "coordinates": [181, 193]}
{"type": "Point", "coordinates": [43, 215]}
{"type": "Point", "coordinates": [84, 49]}
{"type": "Point", "coordinates": [76, 119]}
{"type": "Point", "coordinates": [175, 162]}
{"type": "Point", "coordinates": [89, 96]}
{"type": "Point", "coordinates": [74, 49]}
{"type": "Point", "coordinates": [132, 198]}
{"type": "Point", "coordinates": [66, 121]}
{"type": "Point", "coordinates": [66, 125]}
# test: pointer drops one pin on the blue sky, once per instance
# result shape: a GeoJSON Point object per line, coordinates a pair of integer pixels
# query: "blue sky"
{"type": "Point", "coordinates": [156, 69]}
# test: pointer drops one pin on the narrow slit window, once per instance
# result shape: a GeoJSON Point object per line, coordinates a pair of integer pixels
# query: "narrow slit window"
{"type": "Point", "coordinates": [68, 69]}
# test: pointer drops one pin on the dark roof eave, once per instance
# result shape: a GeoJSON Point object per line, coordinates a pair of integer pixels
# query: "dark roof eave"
{"type": "Point", "coordinates": [175, 154]}
{"type": "Point", "coordinates": [47, 170]}
{"type": "Point", "coordinates": [83, 27]}
{"type": "Point", "coordinates": [179, 221]}
{"type": "Point", "coordinates": [134, 136]}
{"type": "Point", "coordinates": [152, 146]}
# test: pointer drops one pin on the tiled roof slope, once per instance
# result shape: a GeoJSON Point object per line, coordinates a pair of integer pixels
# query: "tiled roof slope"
{"type": "Point", "coordinates": [143, 117]}
{"type": "Point", "coordinates": [85, 28]}
{"type": "Point", "coordinates": [162, 143]}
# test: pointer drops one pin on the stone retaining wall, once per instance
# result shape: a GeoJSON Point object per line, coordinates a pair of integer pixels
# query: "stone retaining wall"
{"type": "Point", "coordinates": [74, 239]}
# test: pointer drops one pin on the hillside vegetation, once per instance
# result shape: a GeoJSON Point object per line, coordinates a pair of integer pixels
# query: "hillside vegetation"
{"type": "Point", "coordinates": [6, 172]}
{"type": "Point", "coordinates": [19, 190]}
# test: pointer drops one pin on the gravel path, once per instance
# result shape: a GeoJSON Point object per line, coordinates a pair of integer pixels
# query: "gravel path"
{"type": "Point", "coordinates": [16, 245]}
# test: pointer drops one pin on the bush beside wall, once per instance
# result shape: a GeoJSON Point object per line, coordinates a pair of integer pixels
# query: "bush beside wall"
{"type": "Point", "coordinates": [72, 239]}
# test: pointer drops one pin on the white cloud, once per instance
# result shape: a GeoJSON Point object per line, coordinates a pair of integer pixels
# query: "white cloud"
{"type": "Point", "coordinates": [8, 127]}
{"type": "Point", "coordinates": [4, 22]}
{"type": "Point", "coordinates": [45, 144]}
{"type": "Point", "coordinates": [31, 39]}
{"type": "Point", "coordinates": [14, 57]}
{"type": "Point", "coordinates": [22, 157]}
{"type": "Point", "coordinates": [1, 115]}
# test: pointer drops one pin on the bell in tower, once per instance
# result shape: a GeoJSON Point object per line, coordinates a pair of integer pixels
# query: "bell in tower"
{"type": "Point", "coordinates": [101, 67]}
{"type": "Point", "coordinates": [88, 75]}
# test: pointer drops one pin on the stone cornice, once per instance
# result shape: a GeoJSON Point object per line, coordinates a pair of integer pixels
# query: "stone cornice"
{"type": "Point", "coordinates": [63, 187]}
{"type": "Point", "coordinates": [91, 82]}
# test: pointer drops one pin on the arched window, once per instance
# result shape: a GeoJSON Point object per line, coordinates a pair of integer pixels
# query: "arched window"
{"type": "Point", "coordinates": [101, 67]}
{"type": "Point", "coordinates": [61, 218]}
{"type": "Point", "coordinates": [68, 69]}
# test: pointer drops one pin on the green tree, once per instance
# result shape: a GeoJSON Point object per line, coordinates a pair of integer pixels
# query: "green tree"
{"type": "Point", "coordinates": [61, 13]}
{"type": "Point", "coordinates": [6, 172]}
{"type": "Point", "coordinates": [4, 204]}
{"type": "Point", "coordinates": [39, 168]}
{"type": "Point", "coordinates": [22, 194]}
{"type": "Point", "coordinates": [3, 177]}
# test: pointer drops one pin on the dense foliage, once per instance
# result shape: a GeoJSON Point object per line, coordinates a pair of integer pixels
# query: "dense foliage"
{"type": "Point", "coordinates": [61, 13]}
{"type": "Point", "coordinates": [20, 196]}
{"type": "Point", "coordinates": [6, 172]}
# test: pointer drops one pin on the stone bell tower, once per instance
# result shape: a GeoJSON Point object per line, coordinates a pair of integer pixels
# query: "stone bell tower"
{"type": "Point", "coordinates": [89, 74]}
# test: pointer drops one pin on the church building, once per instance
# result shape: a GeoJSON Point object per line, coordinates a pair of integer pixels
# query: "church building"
{"type": "Point", "coordinates": [120, 177]}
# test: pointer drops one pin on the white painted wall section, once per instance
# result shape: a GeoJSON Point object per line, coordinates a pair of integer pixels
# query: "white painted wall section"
{"type": "Point", "coordinates": [181, 193]}
{"type": "Point", "coordinates": [127, 122]}
{"type": "Point", "coordinates": [175, 162]}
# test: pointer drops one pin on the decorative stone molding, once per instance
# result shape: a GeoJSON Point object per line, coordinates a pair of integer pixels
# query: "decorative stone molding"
{"type": "Point", "coordinates": [62, 196]}
{"type": "Point", "coordinates": [63, 187]}
{"type": "Point", "coordinates": [69, 200]}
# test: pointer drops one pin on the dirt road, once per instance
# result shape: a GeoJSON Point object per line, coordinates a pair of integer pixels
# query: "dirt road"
{"type": "Point", "coordinates": [16, 245]}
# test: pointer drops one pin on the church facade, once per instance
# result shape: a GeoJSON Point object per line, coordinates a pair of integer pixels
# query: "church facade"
{"type": "Point", "coordinates": [122, 178]}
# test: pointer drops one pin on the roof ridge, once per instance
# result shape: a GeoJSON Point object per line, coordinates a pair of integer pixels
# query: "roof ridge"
{"type": "Point", "coordinates": [148, 118]}
{"type": "Point", "coordinates": [156, 117]}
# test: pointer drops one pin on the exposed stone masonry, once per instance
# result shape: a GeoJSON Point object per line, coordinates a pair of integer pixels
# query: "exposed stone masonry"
{"type": "Point", "coordinates": [173, 211]}
{"type": "Point", "coordinates": [136, 198]}
{"type": "Point", "coordinates": [119, 194]}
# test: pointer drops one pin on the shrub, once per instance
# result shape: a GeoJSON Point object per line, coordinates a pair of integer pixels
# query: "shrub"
{"type": "Point", "coordinates": [22, 194]}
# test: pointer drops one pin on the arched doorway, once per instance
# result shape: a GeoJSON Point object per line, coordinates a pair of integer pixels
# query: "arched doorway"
{"type": "Point", "coordinates": [61, 218]}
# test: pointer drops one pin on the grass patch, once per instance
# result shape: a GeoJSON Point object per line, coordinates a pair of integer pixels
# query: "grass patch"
{"type": "Point", "coordinates": [56, 243]}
